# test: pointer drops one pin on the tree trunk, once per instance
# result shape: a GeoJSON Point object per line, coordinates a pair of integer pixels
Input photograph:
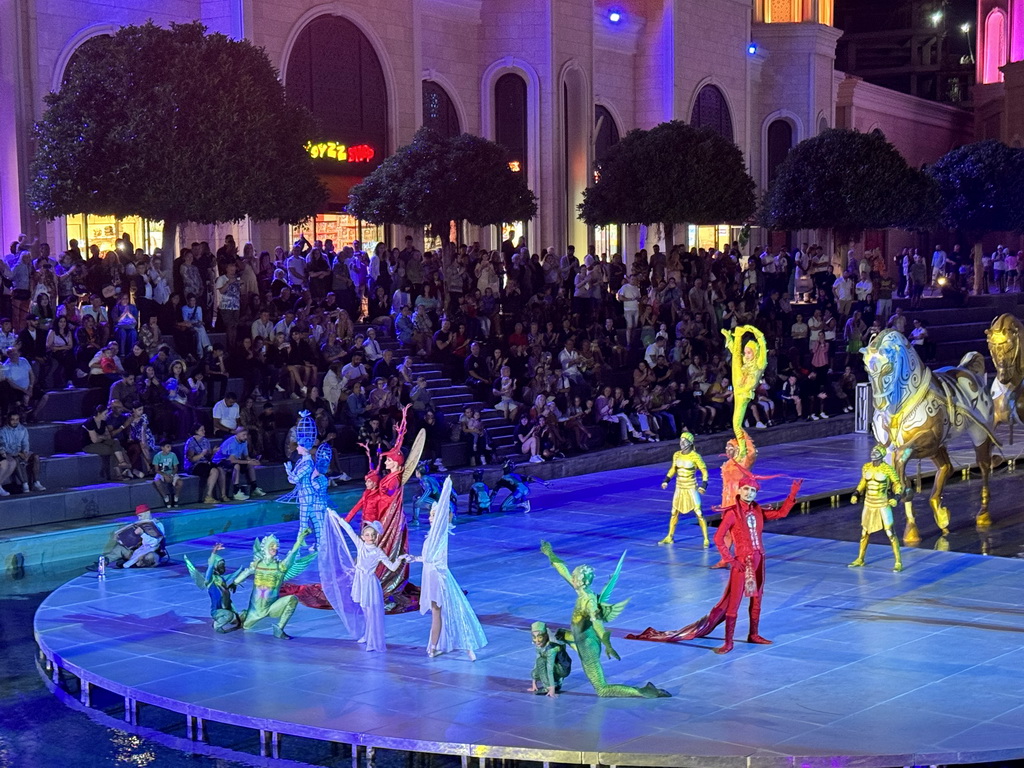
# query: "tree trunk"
{"type": "Point", "coordinates": [168, 246]}
{"type": "Point", "coordinates": [669, 230]}
{"type": "Point", "coordinates": [976, 255]}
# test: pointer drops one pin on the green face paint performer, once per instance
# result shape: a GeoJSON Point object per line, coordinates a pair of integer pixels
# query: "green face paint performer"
{"type": "Point", "coordinates": [553, 663]}
{"type": "Point", "coordinates": [882, 489]}
{"type": "Point", "coordinates": [589, 634]}
{"type": "Point", "coordinates": [686, 462]}
{"type": "Point", "coordinates": [225, 619]}
{"type": "Point", "coordinates": [269, 574]}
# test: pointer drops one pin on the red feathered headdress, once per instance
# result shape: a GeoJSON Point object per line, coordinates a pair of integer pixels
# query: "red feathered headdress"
{"type": "Point", "coordinates": [395, 453]}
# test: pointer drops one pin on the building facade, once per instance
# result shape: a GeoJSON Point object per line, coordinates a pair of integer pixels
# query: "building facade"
{"type": "Point", "coordinates": [555, 81]}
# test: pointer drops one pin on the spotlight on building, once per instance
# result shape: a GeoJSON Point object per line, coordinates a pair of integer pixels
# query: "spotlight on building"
{"type": "Point", "coordinates": [936, 18]}
{"type": "Point", "coordinates": [751, 48]}
{"type": "Point", "coordinates": [965, 27]}
{"type": "Point", "coordinates": [614, 15]}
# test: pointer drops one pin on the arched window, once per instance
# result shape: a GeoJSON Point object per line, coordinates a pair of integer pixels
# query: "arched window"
{"type": "Point", "coordinates": [438, 110]}
{"type": "Point", "coordinates": [334, 72]}
{"type": "Point", "coordinates": [83, 52]}
{"type": "Point", "coordinates": [711, 111]}
{"type": "Point", "coordinates": [1017, 31]}
{"type": "Point", "coordinates": [780, 141]}
{"type": "Point", "coordinates": [994, 55]}
{"type": "Point", "coordinates": [606, 133]}
{"type": "Point", "coordinates": [822, 124]}
{"type": "Point", "coordinates": [510, 117]}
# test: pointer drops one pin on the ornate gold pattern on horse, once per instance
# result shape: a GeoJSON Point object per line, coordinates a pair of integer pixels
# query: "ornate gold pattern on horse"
{"type": "Point", "coordinates": [918, 411]}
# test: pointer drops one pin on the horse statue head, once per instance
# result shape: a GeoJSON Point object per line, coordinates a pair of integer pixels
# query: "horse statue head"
{"type": "Point", "coordinates": [1004, 339]}
{"type": "Point", "coordinates": [894, 369]}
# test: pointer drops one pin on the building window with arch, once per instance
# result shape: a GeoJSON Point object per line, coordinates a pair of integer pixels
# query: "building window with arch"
{"type": "Point", "coordinates": [779, 142]}
{"type": "Point", "coordinates": [822, 124]}
{"type": "Point", "coordinates": [510, 115]}
{"type": "Point", "coordinates": [994, 55]}
{"type": "Point", "coordinates": [711, 111]}
{"type": "Point", "coordinates": [606, 240]}
{"type": "Point", "coordinates": [439, 111]}
{"type": "Point", "coordinates": [334, 72]}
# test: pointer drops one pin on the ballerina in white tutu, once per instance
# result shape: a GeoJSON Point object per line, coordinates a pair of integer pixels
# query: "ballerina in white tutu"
{"type": "Point", "coordinates": [453, 626]}
{"type": "Point", "coordinates": [366, 590]}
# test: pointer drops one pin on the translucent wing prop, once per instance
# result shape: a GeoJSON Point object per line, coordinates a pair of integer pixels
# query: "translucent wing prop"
{"type": "Point", "coordinates": [610, 611]}
{"type": "Point", "coordinates": [435, 546]}
{"type": "Point", "coordinates": [413, 459]}
{"type": "Point", "coordinates": [299, 564]}
{"type": "Point", "coordinates": [337, 571]}
{"type": "Point", "coordinates": [197, 577]}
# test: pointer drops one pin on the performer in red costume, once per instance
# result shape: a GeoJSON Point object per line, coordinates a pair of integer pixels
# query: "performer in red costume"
{"type": "Point", "coordinates": [745, 522]}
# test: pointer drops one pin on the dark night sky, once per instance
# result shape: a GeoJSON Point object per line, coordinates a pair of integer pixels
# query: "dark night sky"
{"type": "Point", "coordinates": [958, 12]}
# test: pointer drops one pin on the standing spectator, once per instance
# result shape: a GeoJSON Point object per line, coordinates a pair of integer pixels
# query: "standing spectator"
{"type": "Point", "coordinates": [938, 266]}
{"type": "Point", "coordinates": [629, 296]}
{"type": "Point", "coordinates": [233, 457]}
{"type": "Point", "coordinates": [476, 373]}
{"type": "Point", "coordinates": [14, 443]}
{"type": "Point", "coordinates": [229, 289]}
{"type": "Point", "coordinates": [918, 280]}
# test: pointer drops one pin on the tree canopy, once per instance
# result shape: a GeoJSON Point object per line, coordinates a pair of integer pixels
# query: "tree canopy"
{"type": "Point", "coordinates": [847, 181]}
{"type": "Point", "coordinates": [175, 125]}
{"type": "Point", "coordinates": [981, 187]}
{"type": "Point", "coordinates": [671, 174]}
{"type": "Point", "coordinates": [435, 180]}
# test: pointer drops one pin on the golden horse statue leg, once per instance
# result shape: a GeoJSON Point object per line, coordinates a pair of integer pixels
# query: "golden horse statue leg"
{"type": "Point", "coordinates": [945, 468]}
{"type": "Point", "coordinates": [910, 533]}
{"type": "Point", "coordinates": [983, 453]}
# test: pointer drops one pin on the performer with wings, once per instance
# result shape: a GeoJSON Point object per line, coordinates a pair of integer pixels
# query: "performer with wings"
{"type": "Point", "coordinates": [454, 625]}
{"type": "Point", "coordinates": [269, 574]}
{"type": "Point", "coordinates": [589, 633]}
{"type": "Point", "coordinates": [225, 619]}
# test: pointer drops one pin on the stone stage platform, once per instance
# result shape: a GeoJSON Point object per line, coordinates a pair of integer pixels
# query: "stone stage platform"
{"type": "Point", "coordinates": [869, 667]}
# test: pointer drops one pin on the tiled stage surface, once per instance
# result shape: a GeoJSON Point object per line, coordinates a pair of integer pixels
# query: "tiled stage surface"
{"type": "Point", "coordinates": [869, 668]}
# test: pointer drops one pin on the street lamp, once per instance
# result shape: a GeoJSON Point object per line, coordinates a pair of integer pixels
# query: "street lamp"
{"type": "Point", "coordinates": [936, 18]}
{"type": "Point", "coordinates": [966, 29]}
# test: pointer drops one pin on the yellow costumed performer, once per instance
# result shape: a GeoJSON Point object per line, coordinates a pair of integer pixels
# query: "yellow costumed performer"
{"type": "Point", "coordinates": [881, 487]}
{"type": "Point", "coordinates": [685, 464]}
{"type": "Point", "coordinates": [748, 363]}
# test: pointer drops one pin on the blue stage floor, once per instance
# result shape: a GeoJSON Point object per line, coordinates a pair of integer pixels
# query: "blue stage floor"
{"type": "Point", "coordinates": [869, 668]}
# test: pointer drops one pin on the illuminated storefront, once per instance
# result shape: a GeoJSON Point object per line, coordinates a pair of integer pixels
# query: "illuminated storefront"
{"type": "Point", "coordinates": [606, 240]}
{"type": "Point", "coordinates": [714, 237]}
{"type": "Point", "coordinates": [104, 231]}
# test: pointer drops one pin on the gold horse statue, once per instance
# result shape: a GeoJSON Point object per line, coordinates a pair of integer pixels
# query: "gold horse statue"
{"type": "Point", "coordinates": [1004, 345]}
{"type": "Point", "coordinates": [917, 412]}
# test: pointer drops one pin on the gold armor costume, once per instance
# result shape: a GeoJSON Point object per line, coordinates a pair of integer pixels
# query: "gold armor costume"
{"type": "Point", "coordinates": [879, 485]}
{"type": "Point", "coordinates": [685, 465]}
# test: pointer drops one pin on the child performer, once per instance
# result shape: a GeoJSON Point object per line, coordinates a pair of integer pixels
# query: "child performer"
{"type": "Point", "coordinates": [453, 624]}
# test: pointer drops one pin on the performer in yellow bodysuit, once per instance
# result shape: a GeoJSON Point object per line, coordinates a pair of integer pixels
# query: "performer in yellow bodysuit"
{"type": "Point", "coordinates": [685, 464]}
{"type": "Point", "coordinates": [880, 484]}
{"type": "Point", "coordinates": [748, 363]}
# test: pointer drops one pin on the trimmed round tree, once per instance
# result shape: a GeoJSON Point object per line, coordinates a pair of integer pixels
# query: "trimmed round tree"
{"type": "Point", "coordinates": [436, 180]}
{"type": "Point", "coordinates": [174, 125]}
{"type": "Point", "coordinates": [671, 174]}
{"type": "Point", "coordinates": [846, 182]}
{"type": "Point", "coordinates": [981, 189]}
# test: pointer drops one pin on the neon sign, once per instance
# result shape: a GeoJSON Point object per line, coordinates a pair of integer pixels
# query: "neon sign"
{"type": "Point", "coordinates": [342, 153]}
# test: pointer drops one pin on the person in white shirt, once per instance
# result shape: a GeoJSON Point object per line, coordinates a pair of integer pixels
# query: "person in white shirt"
{"type": "Point", "coordinates": [629, 296]}
{"type": "Point", "coordinates": [656, 350]}
{"type": "Point", "coordinates": [225, 415]}
{"type": "Point", "coordinates": [371, 347]}
{"type": "Point", "coordinates": [263, 326]}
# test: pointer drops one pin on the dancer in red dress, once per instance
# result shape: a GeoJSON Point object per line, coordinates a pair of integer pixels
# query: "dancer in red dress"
{"type": "Point", "coordinates": [744, 521]}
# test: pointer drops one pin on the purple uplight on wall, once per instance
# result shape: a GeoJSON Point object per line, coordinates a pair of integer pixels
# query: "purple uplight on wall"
{"type": "Point", "coordinates": [615, 15]}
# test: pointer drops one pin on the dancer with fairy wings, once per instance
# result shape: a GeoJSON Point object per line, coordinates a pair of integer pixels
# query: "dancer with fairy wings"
{"type": "Point", "coordinates": [454, 625]}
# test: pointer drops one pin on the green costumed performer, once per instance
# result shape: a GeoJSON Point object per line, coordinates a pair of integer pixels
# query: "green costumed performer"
{"type": "Point", "coordinates": [269, 574]}
{"type": "Point", "coordinates": [882, 489]}
{"type": "Point", "coordinates": [225, 618]}
{"type": "Point", "coordinates": [553, 663]}
{"type": "Point", "coordinates": [589, 634]}
{"type": "Point", "coordinates": [686, 462]}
